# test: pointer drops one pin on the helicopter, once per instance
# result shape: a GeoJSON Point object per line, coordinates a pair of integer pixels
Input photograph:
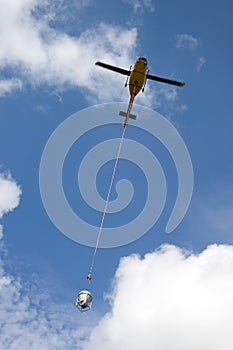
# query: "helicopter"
{"type": "Point", "coordinates": [136, 80]}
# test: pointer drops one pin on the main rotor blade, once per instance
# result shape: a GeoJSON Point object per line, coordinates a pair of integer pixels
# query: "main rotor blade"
{"type": "Point", "coordinates": [115, 69]}
{"type": "Point", "coordinates": [167, 81]}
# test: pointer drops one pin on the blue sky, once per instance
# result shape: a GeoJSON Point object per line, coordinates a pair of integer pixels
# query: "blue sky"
{"type": "Point", "coordinates": [47, 73]}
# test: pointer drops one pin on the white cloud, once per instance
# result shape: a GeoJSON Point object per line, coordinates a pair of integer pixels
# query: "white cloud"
{"type": "Point", "coordinates": [30, 320]}
{"type": "Point", "coordinates": [164, 97]}
{"type": "Point", "coordinates": [9, 85]}
{"type": "Point", "coordinates": [140, 5]}
{"type": "Point", "coordinates": [41, 54]}
{"type": "Point", "coordinates": [170, 300]}
{"type": "Point", "coordinates": [37, 52]}
{"type": "Point", "coordinates": [200, 63]}
{"type": "Point", "coordinates": [186, 41]}
{"type": "Point", "coordinates": [9, 194]}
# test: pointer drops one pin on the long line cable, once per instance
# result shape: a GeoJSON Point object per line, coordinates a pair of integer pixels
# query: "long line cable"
{"type": "Point", "coordinates": [106, 203]}
{"type": "Point", "coordinates": [89, 276]}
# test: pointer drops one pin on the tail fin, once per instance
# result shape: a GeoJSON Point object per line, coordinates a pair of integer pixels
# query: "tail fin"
{"type": "Point", "coordinates": [124, 114]}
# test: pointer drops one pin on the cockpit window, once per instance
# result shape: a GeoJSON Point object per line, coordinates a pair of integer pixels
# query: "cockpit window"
{"type": "Point", "coordinates": [144, 59]}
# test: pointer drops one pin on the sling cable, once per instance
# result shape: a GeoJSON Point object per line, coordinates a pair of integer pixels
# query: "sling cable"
{"type": "Point", "coordinates": [127, 115]}
{"type": "Point", "coordinates": [89, 276]}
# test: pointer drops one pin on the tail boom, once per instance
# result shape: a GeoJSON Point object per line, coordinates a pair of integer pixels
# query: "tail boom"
{"type": "Point", "coordinates": [127, 114]}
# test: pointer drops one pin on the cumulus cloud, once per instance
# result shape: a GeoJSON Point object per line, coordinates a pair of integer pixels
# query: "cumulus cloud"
{"type": "Point", "coordinates": [9, 85]}
{"type": "Point", "coordinates": [35, 50]}
{"type": "Point", "coordinates": [39, 53]}
{"type": "Point", "coordinates": [10, 193]}
{"type": "Point", "coordinates": [186, 41]}
{"type": "Point", "coordinates": [170, 299]}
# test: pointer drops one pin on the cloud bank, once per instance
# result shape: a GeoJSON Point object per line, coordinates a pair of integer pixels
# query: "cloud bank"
{"type": "Point", "coordinates": [170, 299]}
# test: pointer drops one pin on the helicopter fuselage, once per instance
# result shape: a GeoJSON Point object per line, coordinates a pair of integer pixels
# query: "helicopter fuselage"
{"type": "Point", "coordinates": [137, 78]}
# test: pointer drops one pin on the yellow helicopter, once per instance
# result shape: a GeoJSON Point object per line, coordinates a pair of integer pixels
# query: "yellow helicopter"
{"type": "Point", "coordinates": [136, 80]}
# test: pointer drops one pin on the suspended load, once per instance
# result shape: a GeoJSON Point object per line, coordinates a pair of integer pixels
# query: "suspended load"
{"type": "Point", "coordinates": [84, 300]}
{"type": "Point", "coordinates": [89, 277]}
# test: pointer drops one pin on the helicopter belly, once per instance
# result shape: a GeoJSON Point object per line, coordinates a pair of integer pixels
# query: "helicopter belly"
{"type": "Point", "coordinates": [136, 82]}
